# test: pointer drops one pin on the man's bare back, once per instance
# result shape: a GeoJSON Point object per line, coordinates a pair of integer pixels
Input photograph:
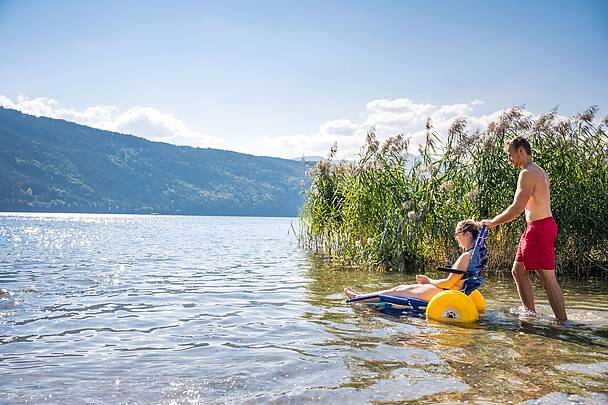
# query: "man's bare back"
{"type": "Point", "coordinates": [532, 194]}
{"type": "Point", "coordinates": [538, 205]}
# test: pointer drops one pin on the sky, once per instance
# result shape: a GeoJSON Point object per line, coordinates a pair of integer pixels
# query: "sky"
{"type": "Point", "coordinates": [288, 79]}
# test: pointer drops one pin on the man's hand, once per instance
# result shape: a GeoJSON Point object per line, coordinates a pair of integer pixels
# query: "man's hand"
{"type": "Point", "coordinates": [488, 223]}
{"type": "Point", "coordinates": [422, 279]}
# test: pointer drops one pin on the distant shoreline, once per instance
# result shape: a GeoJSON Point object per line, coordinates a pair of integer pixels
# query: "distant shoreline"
{"type": "Point", "coordinates": [126, 214]}
{"type": "Point", "coordinates": [50, 165]}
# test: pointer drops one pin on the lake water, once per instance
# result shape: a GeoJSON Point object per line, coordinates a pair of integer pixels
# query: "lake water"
{"type": "Point", "coordinates": [174, 309]}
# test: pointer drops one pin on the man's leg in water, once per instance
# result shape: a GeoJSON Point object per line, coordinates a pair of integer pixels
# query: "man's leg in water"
{"type": "Point", "coordinates": [554, 292]}
{"type": "Point", "coordinates": [524, 286]}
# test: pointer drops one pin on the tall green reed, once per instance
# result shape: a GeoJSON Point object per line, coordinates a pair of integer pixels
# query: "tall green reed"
{"type": "Point", "coordinates": [389, 209]}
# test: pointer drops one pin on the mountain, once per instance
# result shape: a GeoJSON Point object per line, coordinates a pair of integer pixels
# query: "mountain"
{"type": "Point", "coordinates": [311, 159]}
{"type": "Point", "coordinates": [59, 166]}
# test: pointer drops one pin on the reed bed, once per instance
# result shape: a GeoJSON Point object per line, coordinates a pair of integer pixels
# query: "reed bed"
{"type": "Point", "coordinates": [391, 210]}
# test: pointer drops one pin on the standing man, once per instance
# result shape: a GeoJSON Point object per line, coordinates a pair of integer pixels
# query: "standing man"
{"type": "Point", "coordinates": [536, 250]}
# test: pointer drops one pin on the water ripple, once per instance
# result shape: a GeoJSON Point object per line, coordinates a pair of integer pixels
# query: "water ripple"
{"type": "Point", "coordinates": [161, 309]}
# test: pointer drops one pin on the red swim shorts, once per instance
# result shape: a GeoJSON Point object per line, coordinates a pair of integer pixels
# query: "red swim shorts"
{"type": "Point", "coordinates": [537, 245]}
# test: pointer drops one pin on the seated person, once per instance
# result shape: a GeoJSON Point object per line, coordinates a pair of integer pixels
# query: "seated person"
{"type": "Point", "coordinates": [466, 235]}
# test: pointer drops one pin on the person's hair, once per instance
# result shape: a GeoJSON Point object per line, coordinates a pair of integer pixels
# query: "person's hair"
{"type": "Point", "coordinates": [469, 225]}
{"type": "Point", "coordinates": [519, 142]}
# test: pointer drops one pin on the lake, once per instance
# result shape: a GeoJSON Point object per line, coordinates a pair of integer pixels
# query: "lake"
{"type": "Point", "coordinates": [177, 309]}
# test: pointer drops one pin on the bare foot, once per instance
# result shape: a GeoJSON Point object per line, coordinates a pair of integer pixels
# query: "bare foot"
{"type": "Point", "coordinates": [351, 293]}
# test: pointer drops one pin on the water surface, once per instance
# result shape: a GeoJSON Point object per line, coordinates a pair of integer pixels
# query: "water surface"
{"type": "Point", "coordinates": [162, 309]}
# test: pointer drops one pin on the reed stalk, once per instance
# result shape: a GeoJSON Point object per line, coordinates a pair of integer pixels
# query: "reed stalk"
{"type": "Point", "coordinates": [390, 210]}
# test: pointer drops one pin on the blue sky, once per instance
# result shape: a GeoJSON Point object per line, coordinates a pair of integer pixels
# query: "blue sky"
{"type": "Point", "coordinates": [290, 78]}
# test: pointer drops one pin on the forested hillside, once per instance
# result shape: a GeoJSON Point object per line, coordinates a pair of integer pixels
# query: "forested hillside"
{"type": "Point", "coordinates": [55, 165]}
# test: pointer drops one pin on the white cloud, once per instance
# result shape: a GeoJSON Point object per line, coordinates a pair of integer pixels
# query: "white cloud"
{"type": "Point", "coordinates": [292, 146]}
{"type": "Point", "coordinates": [146, 122]}
{"type": "Point", "coordinates": [349, 136]}
{"type": "Point", "coordinates": [338, 127]}
{"type": "Point", "coordinates": [389, 117]}
{"type": "Point", "coordinates": [41, 106]}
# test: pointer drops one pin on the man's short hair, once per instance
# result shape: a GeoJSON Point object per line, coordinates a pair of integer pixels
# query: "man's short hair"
{"type": "Point", "coordinates": [519, 142]}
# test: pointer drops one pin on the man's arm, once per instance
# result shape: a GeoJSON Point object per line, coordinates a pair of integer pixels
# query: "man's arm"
{"type": "Point", "coordinates": [525, 187]}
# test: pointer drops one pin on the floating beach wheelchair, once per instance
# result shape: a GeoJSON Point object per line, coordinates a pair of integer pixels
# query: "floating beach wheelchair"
{"type": "Point", "coordinates": [446, 306]}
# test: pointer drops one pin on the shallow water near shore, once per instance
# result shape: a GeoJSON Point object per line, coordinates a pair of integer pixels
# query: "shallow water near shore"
{"type": "Point", "coordinates": [170, 309]}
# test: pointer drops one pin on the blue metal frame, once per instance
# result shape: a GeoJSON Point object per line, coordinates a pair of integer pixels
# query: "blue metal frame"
{"type": "Point", "coordinates": [414, 306]}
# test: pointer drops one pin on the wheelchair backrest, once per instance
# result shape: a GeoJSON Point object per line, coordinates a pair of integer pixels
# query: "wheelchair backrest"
{"type": "Point", "coordinates": [479, 259]}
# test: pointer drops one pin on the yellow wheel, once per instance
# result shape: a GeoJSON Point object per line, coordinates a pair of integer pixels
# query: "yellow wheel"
{"type": "Point", "coordinates": [478, 300]}
{"type": "Point", "coordinates": [452, 306]}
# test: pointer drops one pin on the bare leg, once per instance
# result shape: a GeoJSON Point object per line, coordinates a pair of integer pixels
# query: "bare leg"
{"type": "Point", "coordinates": [524, 286]}
{"type": "Point", "coordinates": [554, 292]}
{"type": "Point", "coordinates": [351, 293]}
{"type": "Point", "coordinates": [420, 291]}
